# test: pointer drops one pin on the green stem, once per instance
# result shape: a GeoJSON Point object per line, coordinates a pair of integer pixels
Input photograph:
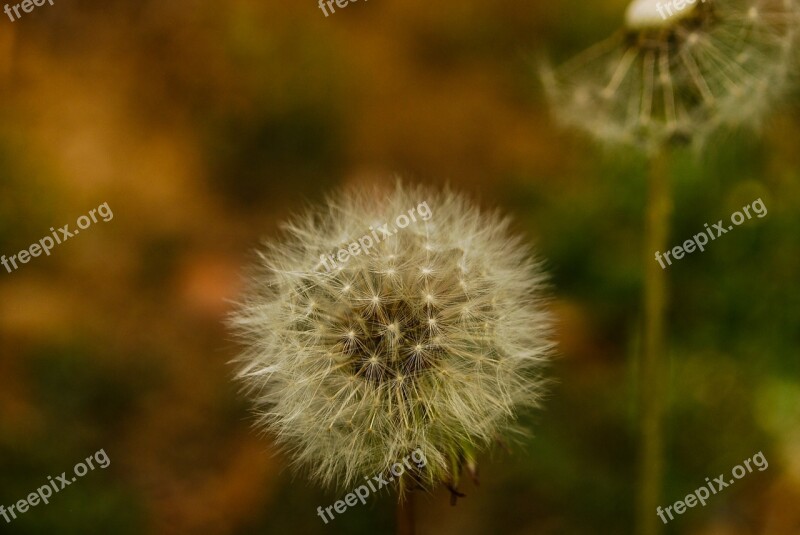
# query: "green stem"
{"type": "Point", "coordinates": [405, 514]}
{"type": "Point", "coordinates": [651, 367]}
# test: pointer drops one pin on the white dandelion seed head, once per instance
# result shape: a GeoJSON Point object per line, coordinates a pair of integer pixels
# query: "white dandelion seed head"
{"type": "Point", "coordinates": [434, 339]}
{"type": "Point", "coordinates": [679, 77]}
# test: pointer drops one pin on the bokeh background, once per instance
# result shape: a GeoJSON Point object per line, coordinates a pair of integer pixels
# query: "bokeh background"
{"type": "Point", "coordinates": [204, 124]}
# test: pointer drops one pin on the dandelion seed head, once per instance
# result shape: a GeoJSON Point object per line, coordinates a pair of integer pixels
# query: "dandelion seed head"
{"type": "Point", "coordinates": [675, 78]}
{"type": "Point", "coordinates": [418, 343]}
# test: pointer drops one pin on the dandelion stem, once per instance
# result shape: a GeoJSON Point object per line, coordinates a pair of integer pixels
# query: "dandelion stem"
{"type": "Point", "coordinates": [651, 365]}
{"type": "Point", "coordinates": [405, 515]}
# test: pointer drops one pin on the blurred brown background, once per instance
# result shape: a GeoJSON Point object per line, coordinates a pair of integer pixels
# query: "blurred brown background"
{"type": "Point", "coordinates": [203, 125]}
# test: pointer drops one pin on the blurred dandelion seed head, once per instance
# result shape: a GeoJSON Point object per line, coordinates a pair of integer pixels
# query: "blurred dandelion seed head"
{"type": "Point", "coordinates": [433, 340]}
{"type": "Point", "coordinates": [717, 63]}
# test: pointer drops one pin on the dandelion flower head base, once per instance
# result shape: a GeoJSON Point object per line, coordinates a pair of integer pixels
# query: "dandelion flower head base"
{"type": "Point", "coordinates": [434, 340]}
